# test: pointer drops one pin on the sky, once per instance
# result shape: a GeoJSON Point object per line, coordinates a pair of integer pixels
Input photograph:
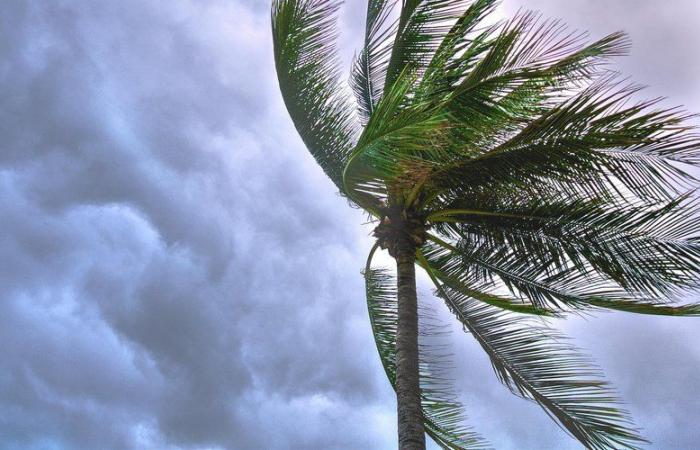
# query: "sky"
{"type": "Point", "coordinates": [177, 273]}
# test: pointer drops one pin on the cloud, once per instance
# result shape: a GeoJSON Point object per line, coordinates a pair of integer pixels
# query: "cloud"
{"type": "Point", "coordinates": [176, 272]}
{"type": "Point", "coordinates": [169, 277]}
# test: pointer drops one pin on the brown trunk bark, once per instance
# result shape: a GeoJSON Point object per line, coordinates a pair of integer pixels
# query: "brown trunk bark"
{"type": "Point", "coordinates": [410, 415]}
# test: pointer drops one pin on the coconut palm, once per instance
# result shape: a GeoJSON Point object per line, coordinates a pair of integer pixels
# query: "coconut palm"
{"type": "Point", "coordinates": [508, 162]}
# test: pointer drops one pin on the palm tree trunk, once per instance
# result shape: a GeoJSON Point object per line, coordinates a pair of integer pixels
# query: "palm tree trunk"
{"type": "Point", "coordinates": [410, 416]}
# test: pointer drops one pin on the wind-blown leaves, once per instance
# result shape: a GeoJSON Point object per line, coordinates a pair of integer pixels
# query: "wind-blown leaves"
{"type": "Point", "coordinates": [650, 250]}
{"type": "Point", "coordinates": [508, 120]}
{"type": "Point", "coordinates": [448, 271]}
{"type": "Point", "coordinates": [536, 363]}
{"type": "Point", "coordinates": [369, 70]}
{"type": "Point", "coordinates": [304, 36]}
{"type": "Point", "coordinates": [422, 26]}
{"type": "Point", "coordinates": [542, 285]}
{"type": "Point", "coordinates": [594, 140]}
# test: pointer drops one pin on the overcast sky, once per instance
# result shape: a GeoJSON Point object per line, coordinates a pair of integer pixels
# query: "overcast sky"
{"type": "Point", "coordinates": [176, 272]}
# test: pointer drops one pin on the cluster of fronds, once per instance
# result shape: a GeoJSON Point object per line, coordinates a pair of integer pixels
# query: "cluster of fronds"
{"type": "Point", "coordinates": [546, 186]}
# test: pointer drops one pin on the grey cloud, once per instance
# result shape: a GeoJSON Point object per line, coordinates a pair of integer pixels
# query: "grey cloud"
{"type": "Point", "coordinates": [166, 281]}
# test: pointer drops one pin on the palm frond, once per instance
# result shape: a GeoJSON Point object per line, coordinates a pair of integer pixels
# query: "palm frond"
{"type": "Point", "coordinates": [496, 106]}
{"type": "Point", "coordinates": [536, 363]}
{"type": "Point", "coordinates": [459, 48]}
{"type": "Point", "coordinates": [449, 272]}
{"type": "Point", "coordinates": [653, 250]}
{"type": "Point", "coordinates": [528, 46]}
{"type": "Point", "coordinates": [304, 35]}
{"type": "Point", "coordinates": [369, 69]}
{"type": "Point", "coordinates": [594, 140]}
{"type": "Point", "coordinates": [547, 285]}
{"type": "Point", "coordinates": [394, 127]}
{"type": "Point", "coordinates": [422, 26]}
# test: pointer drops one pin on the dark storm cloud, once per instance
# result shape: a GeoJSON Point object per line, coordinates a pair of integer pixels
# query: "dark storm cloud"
{"type": "Point", "coordinates": [175, 271]}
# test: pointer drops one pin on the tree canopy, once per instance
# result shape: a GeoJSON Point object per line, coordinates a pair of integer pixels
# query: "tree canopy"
{"type": "Point", "coordinates": [539, 183]}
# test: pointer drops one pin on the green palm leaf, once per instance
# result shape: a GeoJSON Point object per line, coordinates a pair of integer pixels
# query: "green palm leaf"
{"type": "Point", "coordinates": [303, 33]}
{"type": "Point", "coordinates": [369, 70]}
{"type": "Point", "coordinates": [651, 250]}
{"type": "Point", "coordinates": [536, 363]}
{"type": "Point", "coordinates": [540, 285]}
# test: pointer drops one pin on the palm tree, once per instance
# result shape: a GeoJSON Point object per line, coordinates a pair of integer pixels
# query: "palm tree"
{"type": "Point", "coordinates": [513, 167]}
